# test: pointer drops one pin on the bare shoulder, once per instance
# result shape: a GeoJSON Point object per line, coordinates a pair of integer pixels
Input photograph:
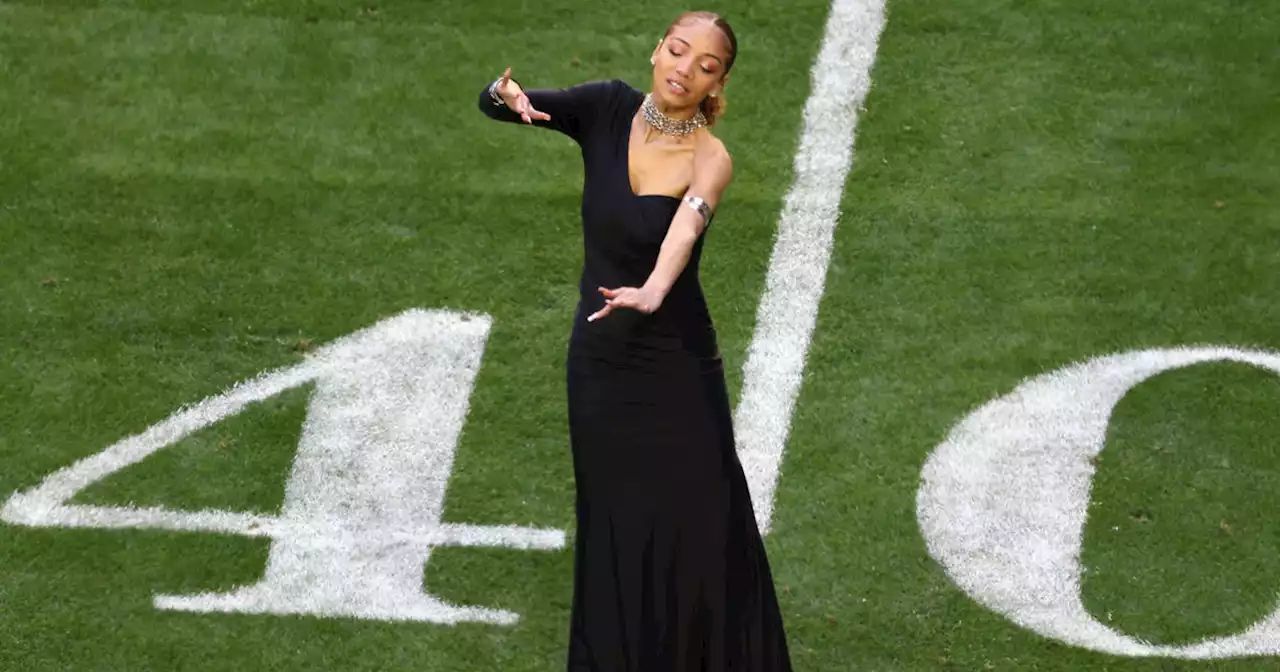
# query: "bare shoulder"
{"type": "Point", "coordinates": [712, 161]}
{"type": "Point", "coordinates": [711, 148]}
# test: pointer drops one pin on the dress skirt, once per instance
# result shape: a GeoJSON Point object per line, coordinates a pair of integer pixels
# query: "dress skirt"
{"type": "Point", "coordinates": [670, 569]}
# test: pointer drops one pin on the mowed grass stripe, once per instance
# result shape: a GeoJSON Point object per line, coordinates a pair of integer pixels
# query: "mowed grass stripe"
{"type": "Point", "coordinates": [254, 99]}
{"type": "Point", "coordinates": [603, 22]}
{"type": "Point", "coordinates": [263, 98]}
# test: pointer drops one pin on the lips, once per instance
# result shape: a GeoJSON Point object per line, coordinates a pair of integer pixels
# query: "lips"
{"type": "Point", "coordinates": [676, 87]}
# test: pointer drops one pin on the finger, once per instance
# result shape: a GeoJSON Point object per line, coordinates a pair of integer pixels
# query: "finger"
{"type": "Point", "coordinates": [600, 313]}
{"type": "Point", "coordinates": [506, 77]}
{"type": "Point", "coordinates": [525, 109]}
{"type": "Point", "coordinates": [622, 302]}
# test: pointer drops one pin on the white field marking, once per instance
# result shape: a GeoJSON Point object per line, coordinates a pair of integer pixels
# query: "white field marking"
{"type": "Point", "coordinates": [788, 310]}
{"type": "Point", "coordinates": [363, 505]}
{"type": "Point", "coordinates": [355, 534]}
{"type": "Point", "coordinates": [1003, 501]}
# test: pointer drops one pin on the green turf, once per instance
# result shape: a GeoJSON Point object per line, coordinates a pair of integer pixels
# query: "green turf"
{"type": "Point", "coordinates": [195, 192]}
{"type": "Point", "coordinates": [192, 193]}
{"type": "Point", "coordinates": [238, 464]}
{"type": "Point", "coordinates": [1036, 183]}
{"type": "Point", "coordinates": [1188, 476]}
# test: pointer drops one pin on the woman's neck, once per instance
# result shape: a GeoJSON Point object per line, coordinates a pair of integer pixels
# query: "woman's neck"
{"type": "Point", "coordinates": [676, 113]}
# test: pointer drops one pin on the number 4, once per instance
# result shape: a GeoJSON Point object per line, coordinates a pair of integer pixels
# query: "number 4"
{"type": "Point", "coordinates": [363, 505]}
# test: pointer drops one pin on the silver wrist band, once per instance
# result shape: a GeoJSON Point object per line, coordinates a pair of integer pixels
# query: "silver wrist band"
{"type": "Point", "coordinates": [493, 93]}
{"type": "Point", "coordinates": [700, 206]}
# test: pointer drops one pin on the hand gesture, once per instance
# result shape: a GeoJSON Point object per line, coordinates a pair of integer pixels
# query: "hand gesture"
{"type": "Point", "coordinates": [517, 101]}
{"type": "Point", "coordinates": [642, 299]}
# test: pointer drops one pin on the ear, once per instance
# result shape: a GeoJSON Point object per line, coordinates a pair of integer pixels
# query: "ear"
{"type": "Point", "coordinates": [724, 81]}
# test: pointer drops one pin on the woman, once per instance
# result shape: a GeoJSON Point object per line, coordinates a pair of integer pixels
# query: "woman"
{"type": "Point", "coordinates": [670, 571]}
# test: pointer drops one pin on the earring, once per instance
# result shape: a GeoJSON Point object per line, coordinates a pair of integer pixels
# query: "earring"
{"type": "Point", "coordinates": [713, 94]}
{"type": "Point", "coordinates": [651, 60]}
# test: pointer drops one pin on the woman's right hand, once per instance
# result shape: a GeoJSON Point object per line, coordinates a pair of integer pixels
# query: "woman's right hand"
{"type": "Point", "coordinates": [517, 101]}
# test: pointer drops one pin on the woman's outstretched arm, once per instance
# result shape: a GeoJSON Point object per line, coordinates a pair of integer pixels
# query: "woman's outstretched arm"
{"type": "Point", "coordinates": [570, 110]}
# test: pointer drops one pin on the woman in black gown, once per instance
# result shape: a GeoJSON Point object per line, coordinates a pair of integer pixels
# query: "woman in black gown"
{"type": "Point", "coordinates": [670, 571]}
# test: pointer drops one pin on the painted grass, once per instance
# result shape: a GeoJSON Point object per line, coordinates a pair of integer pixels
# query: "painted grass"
{"type": "Point", "coordinates": [1036, 183]}
{"type": "Point", "coordinates": [191, 193]}
{"type": "Point", "coordinates": [197, 192]}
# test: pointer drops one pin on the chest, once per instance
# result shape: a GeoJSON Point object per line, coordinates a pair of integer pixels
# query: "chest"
{"type": "Point", "coordinates": [633, 189]}
{"type": "Point", "coordinates": [658, 166]}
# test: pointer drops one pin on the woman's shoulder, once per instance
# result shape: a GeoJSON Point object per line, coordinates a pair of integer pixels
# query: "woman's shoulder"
{"type": "Point", "coordinates": [606, 94]}
{"type": "Point", "coordinates": [624, 94]}
{"type": "Point", "coordinates": [623, 87]}
{"type": "Point", "coordinates": [711, 158]}
{"type": "Point", "coordinates": [709, 146]}
{"type": "Point", "coordinates": [611, 88]}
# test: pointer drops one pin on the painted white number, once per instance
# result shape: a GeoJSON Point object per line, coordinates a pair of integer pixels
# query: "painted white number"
{"type": "Point", "coordinates": [362, 508]}
{"type": "Point", "coordinates": [1003, 501]}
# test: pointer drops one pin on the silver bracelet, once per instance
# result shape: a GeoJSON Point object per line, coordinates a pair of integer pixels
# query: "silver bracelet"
{"type": "Point", "coordinates": [493, 93]}
{"type": "Point", "coordinates": [700, 206]}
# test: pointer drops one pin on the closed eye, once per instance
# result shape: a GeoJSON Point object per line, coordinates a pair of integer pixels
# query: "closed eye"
{"type": "Point", "coordinates": [709, 71]}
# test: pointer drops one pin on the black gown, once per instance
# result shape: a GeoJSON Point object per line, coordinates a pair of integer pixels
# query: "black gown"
{"type": "Point", "coordinates": [670, 572]}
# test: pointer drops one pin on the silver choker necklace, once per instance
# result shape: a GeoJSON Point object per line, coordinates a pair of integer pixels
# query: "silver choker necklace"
{"type": "Point", "coordinates": [666, 124]}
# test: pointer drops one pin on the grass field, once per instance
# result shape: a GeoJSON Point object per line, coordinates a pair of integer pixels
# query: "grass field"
{"type": "Point", "coordinates": [192, 193]}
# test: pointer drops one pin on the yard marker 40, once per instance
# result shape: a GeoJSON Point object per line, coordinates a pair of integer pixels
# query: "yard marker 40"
{"type": "Point", "coordinates": [363, 505]}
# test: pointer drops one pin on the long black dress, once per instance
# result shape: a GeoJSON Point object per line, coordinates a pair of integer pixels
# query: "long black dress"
{"type": "Point", "coordinates": [670, 570]}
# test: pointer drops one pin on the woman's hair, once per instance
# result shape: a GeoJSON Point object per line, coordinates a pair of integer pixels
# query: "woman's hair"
{"type": "Point", "coordinates": [712, 108]}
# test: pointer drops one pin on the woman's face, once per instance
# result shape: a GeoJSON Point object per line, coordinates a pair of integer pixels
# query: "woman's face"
{"type": "Point", "coordinates": [689, 64]}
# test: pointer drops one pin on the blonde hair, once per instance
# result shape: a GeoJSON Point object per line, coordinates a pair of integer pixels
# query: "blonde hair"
{"type": "Point", "coordinates": [712, 108]}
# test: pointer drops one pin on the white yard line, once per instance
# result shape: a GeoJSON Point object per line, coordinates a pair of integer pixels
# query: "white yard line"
{"type": "Point", "coordinates": [788, 311]}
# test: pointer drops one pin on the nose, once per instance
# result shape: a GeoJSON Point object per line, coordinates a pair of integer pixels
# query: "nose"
{"type": "Point", "coordinates": [684, 66]}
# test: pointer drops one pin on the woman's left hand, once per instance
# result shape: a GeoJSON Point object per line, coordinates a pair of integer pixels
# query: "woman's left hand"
{"type": "Point", "coordinates": [643, 299]}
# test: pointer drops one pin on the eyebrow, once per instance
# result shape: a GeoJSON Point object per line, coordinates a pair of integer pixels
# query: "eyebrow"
{"type": "Point", "coordinates": [686, 43]}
